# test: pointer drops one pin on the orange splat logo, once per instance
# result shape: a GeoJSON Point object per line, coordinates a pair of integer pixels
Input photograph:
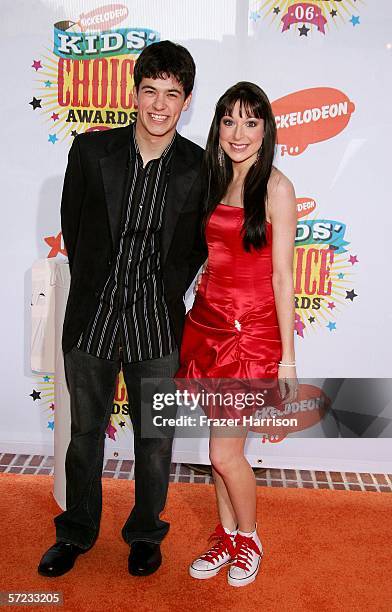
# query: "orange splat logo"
{"type": "Point", "coordinates": [56, 245]}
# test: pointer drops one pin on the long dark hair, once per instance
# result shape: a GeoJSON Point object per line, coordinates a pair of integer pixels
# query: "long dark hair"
{"type": "Point", "coordinates": [254, 102]}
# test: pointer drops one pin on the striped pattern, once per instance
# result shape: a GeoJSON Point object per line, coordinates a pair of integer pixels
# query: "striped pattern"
{"type": "Point", "coordinates": [132, 312]}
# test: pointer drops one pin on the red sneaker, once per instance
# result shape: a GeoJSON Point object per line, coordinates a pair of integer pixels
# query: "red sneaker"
{"type": "Point", "coordinates": [218, 556]}
{"type": "Point", "coordinates": [247, 560]}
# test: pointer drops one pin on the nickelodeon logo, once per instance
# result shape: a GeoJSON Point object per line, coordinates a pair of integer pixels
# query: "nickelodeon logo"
{"type": "Point", "coordinates": [99, 19]}
{"type": "Point", "coordinates": [310, 407]}
{"type": "Point", "coordinates": [305, 206]}
{"type": "Point", "coordinates": [103, 18]}
{"type": "Point", "coordinates": [309, 116]}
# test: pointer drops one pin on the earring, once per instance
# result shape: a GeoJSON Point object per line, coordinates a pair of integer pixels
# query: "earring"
{"type": "Point", "coordinates": [259, 153]}
{"type": "Point", "coordinates": [221, 156]}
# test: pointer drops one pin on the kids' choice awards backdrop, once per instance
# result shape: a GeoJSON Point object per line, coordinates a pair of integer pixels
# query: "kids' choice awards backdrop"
{"type": "Point", "coordinates": [67, 68]}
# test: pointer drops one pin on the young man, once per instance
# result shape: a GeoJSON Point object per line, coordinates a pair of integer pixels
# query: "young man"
{"type": "Point", "coordinates": [131, 222]}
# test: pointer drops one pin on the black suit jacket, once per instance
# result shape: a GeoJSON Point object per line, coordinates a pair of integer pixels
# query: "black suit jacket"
{"type": "Point", "coordinates": [96, 187]}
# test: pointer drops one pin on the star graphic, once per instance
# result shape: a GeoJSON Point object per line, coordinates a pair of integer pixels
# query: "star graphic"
{"type": "Point", "coordinates": [48, 83]}
{"type": "Point", "coordinates": [333, 13]}
{"type": "Point", "coordinates": [46, 379]}
{"type": "Point", "coordinates": [122, 423]}
{"type": "Point", "coordinates": [276, 10]}
{"type": "Point", "coordinates": [111, 431]}
{"type": "Point", "coordinates": [254, 15]}
{"type": "Point", "coordinates": [331, 326]}
{"type": "Point", "coordinates": [55, 116]}
{"type": "Point", "coordinates": [51, 425]}
{"type": "Point", "coordinates": [355, 20]}
{"type": "Point", "coordinates": [55, 245]}
{"type": "Point", "coordinates": [353, 259]}
{"type": "Point", "coordinates": [35, 103]}
{"type": "Point", "coordinates": [74, 133]}
{"type": "Point", "coordinates": [299, 326]}
{"type": "Point", "coordinates": [331, 305]}
{"type": "Point", "coordinates": [303, 31]}
{"type": "Point", "coordinates": [51, 406]}
{"type": "Point", "coordinates": [36, 65]}
{"type": "Point", "coordinates": [52, 138]}
{"type": "Point", "coordinates": [311, 319]}
{"type": "Point", "coordinates": [35, 395]}
{"type": "Point", "coordinates": [351, 295]}
{"type": "Point", "coordinates": [340, 275]}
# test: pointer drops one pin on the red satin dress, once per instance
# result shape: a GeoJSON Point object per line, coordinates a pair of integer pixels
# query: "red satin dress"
{"type": "Point", "coordinates": [232, 331]}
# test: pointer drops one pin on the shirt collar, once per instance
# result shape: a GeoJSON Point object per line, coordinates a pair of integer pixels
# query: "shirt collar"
{"type": "Point", "coordinates": [135, 151]}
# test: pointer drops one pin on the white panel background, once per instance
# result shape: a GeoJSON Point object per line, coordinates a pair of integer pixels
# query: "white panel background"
{"type": "Point", "coordinates": [349, 177]}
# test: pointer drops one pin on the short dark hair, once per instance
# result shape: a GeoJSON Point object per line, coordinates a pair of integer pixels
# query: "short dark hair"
{"type": "Point", "coordinates": [165, 58]}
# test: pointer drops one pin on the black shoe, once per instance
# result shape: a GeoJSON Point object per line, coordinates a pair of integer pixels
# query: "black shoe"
{"type": "Point", "coordinates": [144, 558]}
{"type": "Point", "coordinates": [59, 559]}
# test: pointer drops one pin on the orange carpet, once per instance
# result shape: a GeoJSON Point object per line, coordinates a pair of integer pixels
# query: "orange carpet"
{"type": "Point", "coordinates": [324, 550]}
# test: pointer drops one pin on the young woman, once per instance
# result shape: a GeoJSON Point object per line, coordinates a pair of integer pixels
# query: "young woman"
{"type": "Point", "coordinates": [241, 325]}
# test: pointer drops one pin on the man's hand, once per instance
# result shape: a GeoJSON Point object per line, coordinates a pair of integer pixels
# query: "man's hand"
{"type": "Point", "coordinates": [199, 277]}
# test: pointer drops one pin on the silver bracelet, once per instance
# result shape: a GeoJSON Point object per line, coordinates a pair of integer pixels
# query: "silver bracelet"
{"type": "Point", "coordinates": [287, 365]}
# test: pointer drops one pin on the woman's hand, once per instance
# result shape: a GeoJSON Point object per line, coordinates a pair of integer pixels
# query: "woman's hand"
{"type": "Point", "coordinates": [288, 383]}
{"type": "Point", "coordinates": [199, 277]}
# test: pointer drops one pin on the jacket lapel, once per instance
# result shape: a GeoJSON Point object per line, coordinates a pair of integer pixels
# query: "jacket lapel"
{"type": "Point", "coordinates": [116, 175]}
{"type": "Point", "coordinates": [183, 172]}
{"type": "Point", "coordinates": [116, 182]}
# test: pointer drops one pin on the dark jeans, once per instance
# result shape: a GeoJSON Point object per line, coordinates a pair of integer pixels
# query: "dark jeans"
{"type": "Point", "coordinates": [91, 383]}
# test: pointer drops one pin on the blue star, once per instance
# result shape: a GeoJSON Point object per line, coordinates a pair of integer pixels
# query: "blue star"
{"type": "Point", "coordinates": [52, 138]}
{"type": "Point", "coordinates": [254, 15]}
{"type": "Point", "coordinates": [51, 425]}
{"type": "Point", "coordinates": [46, 379]}
{"type": "Point", "coordinates": [48, 83]}
{"type": "Point", "coordinates": [354, 20]}
{"type": "Point", "coordinates": [340, 275]}
{"type": "Point", "coordinates": [331, 326]}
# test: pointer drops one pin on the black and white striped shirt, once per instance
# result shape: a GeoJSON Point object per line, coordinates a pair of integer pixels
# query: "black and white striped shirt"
{"type": "Point", "coordinates": [132, 311]}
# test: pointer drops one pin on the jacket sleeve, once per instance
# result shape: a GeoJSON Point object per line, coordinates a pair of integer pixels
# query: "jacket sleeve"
{"type": "Point", "coordinates": [71, 200]}
{"type": "Point", "coordinates": [199, 252]}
